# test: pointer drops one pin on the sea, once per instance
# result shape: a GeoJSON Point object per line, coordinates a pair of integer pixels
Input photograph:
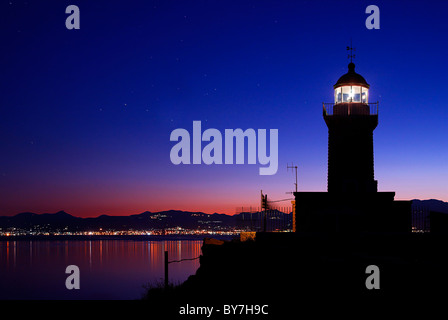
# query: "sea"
{"type": "Point", "coordinates": [119, 268]}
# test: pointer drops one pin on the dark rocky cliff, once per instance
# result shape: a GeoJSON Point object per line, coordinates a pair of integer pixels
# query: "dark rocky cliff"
{"type": "Point", "coordinates": [307, 271]}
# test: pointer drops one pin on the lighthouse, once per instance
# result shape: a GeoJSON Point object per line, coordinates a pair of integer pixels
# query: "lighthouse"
{"type": "Point", "coordinates": [351, 120]}
{"type": "Point", "coordinates": [352, 202]}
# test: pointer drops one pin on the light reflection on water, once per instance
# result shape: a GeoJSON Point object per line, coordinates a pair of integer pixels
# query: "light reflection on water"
{"type": "Point", "coordinates": [109, 269]}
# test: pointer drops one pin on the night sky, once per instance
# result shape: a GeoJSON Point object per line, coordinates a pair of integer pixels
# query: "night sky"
{"type": "Point", "coordinates": [86, 115]}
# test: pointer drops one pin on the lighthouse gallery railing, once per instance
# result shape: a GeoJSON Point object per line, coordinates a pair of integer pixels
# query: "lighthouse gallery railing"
{"type": "Point", "coordinates": [329, 107]}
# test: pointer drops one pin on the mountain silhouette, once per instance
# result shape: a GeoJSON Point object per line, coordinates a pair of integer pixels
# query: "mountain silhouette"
{"type": "Point", "coordinates": [159, 220]}
{"type": "Point", "coordinates": [431, 205]}
{"type": "Point", "coordinates": [143, 221]}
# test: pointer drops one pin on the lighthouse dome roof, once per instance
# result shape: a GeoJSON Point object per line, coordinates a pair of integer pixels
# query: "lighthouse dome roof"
{"type": "Point", "coordinates": [351, 78]}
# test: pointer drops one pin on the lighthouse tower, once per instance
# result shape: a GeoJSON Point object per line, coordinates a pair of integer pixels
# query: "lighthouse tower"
{"type": "Point", "coordinates": [352, 202]}
{"type": "Point", "coordinates": [351, 120]}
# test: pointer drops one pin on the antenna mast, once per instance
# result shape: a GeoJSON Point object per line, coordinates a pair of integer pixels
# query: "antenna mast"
{"type": "Point", "coordinates": [295, 168]}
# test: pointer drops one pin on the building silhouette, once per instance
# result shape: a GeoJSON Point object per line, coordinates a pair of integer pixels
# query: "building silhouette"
{"type": "Point", "coordinates": [352, 202]}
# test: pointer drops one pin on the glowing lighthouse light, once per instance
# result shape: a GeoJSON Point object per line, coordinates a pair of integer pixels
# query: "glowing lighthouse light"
{"type": "Point", "coordinates": [351, 87]}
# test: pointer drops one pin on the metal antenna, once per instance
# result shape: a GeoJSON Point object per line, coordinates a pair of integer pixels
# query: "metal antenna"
{"type": "Point", "coordinates": [351, 55]}
{"type": "Point", "coordinates": [295, 168]}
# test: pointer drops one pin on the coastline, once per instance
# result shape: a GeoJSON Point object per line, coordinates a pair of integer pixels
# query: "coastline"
{"type": "Point", "coordinates": [116, 237]}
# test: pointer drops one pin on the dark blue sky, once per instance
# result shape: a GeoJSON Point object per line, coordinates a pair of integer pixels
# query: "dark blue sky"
{"type": "Point", "coordinates": [86, 115]}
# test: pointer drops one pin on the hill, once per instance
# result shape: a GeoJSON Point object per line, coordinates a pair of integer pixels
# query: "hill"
{"type": "Point", "coordinates": [62, 221]}
{"type": "Point", "coordinates": [431, 205]}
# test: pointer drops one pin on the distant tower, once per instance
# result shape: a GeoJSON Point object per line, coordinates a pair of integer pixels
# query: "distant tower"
{"type": "Point", "coordinates": [351, 120]}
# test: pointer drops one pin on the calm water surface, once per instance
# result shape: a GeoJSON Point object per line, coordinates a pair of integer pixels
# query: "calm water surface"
{"type": "Point", "coordinates": [109, 269]}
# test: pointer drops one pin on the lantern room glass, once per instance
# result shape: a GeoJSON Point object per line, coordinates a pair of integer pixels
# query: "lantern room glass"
{"type": "Point", "coordinates": [346, 94]}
